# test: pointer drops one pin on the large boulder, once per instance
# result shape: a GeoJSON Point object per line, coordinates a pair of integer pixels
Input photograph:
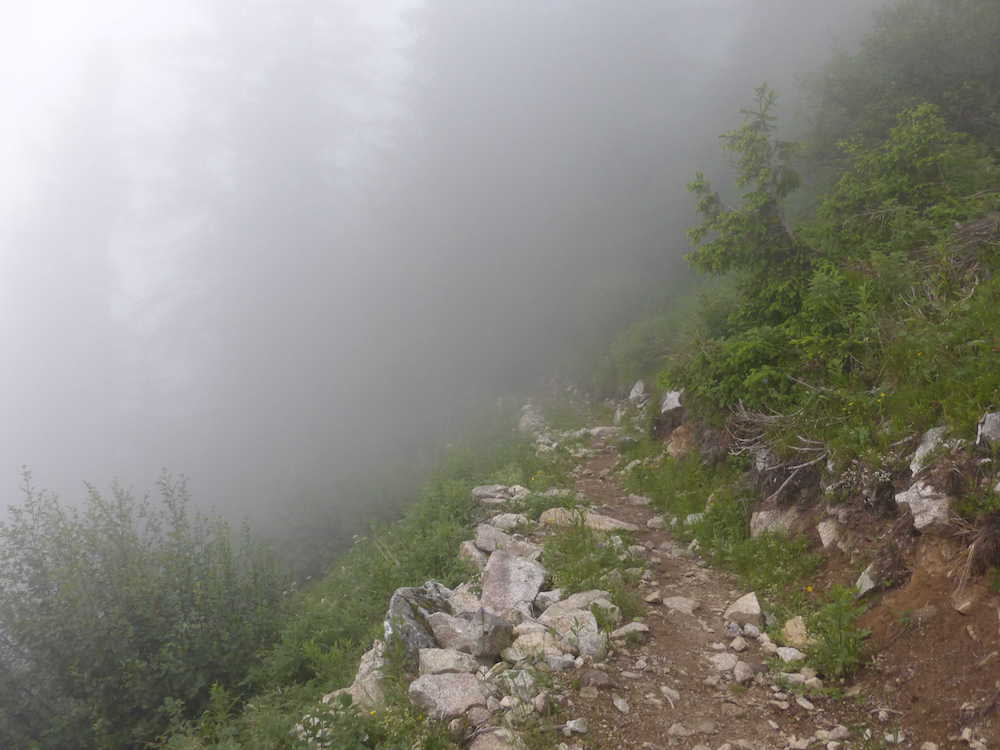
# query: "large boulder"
{"type": "Point", "coordinates": [509, 582]}
{"type": "Point", "coordinates": [928, 506]}
{"type": "Point", "coordinates": [406, 620]}
{"type": "Point", "coordinates": [469, 552]}
{"type": "Point", "coordinates": [490, 538]}
{"type": "Point", "coordinates": [481, 634]}
{"type": "Point", "coordinates": [366, 691]}
{"type": "Point", "coordinates": [447, 696]}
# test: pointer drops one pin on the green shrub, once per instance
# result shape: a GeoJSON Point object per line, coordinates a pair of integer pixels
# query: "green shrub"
{"type": "Point", "coordinates": [839, 642]}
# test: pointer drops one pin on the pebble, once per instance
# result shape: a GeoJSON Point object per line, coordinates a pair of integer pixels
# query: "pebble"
{"type": "Point", "coordinates": [804, 703]}
{"type": "Point", "coordinates": [738, 644]}
{"type": "Point", "coordinates": [679, 730]}
{"type": "Point", "coordinates": [621, 704]}
{"type": "Point", "coordinates": [575, 726]}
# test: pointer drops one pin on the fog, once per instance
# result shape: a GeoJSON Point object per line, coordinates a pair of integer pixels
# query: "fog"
{"type": "Point", "coordinates": [270, 245]}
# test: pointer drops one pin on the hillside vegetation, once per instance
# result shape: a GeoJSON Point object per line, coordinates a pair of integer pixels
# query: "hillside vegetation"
{"type": "Point", "coordinates": [826, 336]}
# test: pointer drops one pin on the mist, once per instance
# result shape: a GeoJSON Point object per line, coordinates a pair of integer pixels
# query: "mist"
{"type": "Point", "coordinates": [274, 245]}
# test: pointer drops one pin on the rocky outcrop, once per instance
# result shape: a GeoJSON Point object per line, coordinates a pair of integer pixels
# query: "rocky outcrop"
{"type": "Point", "coordinates": [928, 506]}
{"type": "Point", "coordinates": [510, 582]}
{"type": "Point", "coordinates": [366, 691]}
{"type": "Point", "coordinates": [406, 621]}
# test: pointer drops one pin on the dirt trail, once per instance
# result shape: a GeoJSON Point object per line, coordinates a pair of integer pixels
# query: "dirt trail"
{"type": "Point", "coordinates": [707, 709]}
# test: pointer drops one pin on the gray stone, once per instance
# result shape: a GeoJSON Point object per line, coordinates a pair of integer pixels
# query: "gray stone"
{"type": "Point", "coordinates": [490, 490]}
{"type": "Point", "coordinates": [445, 660]}
{"type": "Point", "coordinates": [774, 520]}
{"type": "Point", "coordinates": [406, 619]}
{"type": "Point", "coordinates": [931, 440]}
{"type": "Point", "coordinates": [620, 703]}
{"type": "Point", "coordinates": [745, 610]}
{"type": "Point", "coordinates": [656, 523]}
{"type": "Point", "coordinates": [681, 604]}
{"type": "Point", "coordinates": [510, 521]}
{"type": "Point", "coordinates": [742, 672]}
{"type": "Point", "coordinates": [595, 521]}
{"type": "Point", "coordinates": [867, 580]}
{"type": "Point", "coordinates": [927, 505]}
{"type": "Point", "coordinates": [587, 600]}
{"type": "Point", "coordinates": [787, 653]}
{"type": "Point", "coordinates": [445, 696]}
{"type": "Point", "coordinates": [829, 532]}
{"type": "Point", "coordinates": [481, 634]}
{"type": "Point", "coordinates": [724, 662]}
{"type": "Point", "coordinates": [469, 552]}
{"type": "Point", "coordinates": [739, 644]}
{"type": "Point", "coordinates": [497, 739]}
{"type": "Point", "coordinates": [536, 646]}
{"type": "Point", "coordinates": [510, 581]}
{"type": "Point", "coordinates": [633, 629]}
{"type": "Point", "coordinates": [463, 599]}
{"type": "Point", "coordinates": [546, 599]}
{"type": "Point", "coordinates": [366, 691]}
{"type": "Point", "coordinates": [578, 628]}
{"type": "Point", "coordinates": [575, 726]}
{"type": "Point", "coordinates": [489, 539]}
{"type": "Point", "coordinates": [988, 429]}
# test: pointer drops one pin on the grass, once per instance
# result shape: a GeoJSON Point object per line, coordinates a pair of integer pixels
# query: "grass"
{"type": "Point", "coordinates": [581, 559]}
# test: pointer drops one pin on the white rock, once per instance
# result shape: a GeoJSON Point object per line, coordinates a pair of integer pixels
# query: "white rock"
{"type": "Point", "coordinates": [620, 703]}
{"type": "Point", "coordinates": [578, 628]}
{"type": "Point", "coordinates": [490, 490]}
{"type": "Point", "coordinates": [671, 402]}
{"type": "Point", "coordinates": [866, 581]}
{"type": "Point", "coordinates": [930, 442]}
{"type": "Point", "coordinates": [829, 532]}
{"type": "Point", "coordinates": [745, 610]}
{"type": "Point", "coordinates": [738, 644]}
{"type": "Point", "coordinates": [656, 523]}
{"type": "Point", "coordinates": [927, 505]}
{"type": "Point", "coordinates": [631, 629]}
{"type": "Point", "coordinates": [787, 653]}
{"type": "Point", "coordinates": [575, 726]}
{"type": "Point", "coordinates": [510, 521]}
{"type": "Point", "coordinates": [638, 395]}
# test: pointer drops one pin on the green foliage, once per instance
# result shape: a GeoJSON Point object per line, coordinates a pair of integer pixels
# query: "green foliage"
{"type": "Point", "coordinates": [124, 613]}
{"type": "Point", "coordinates": [681, 486]}
{"type": "Point", "coordinates": [839, 643]}
{"type": "Point", "coordinates": [580, 559]}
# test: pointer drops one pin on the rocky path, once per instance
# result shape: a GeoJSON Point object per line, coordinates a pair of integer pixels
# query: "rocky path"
{"type": "Point", "coordinates": [697, 680]}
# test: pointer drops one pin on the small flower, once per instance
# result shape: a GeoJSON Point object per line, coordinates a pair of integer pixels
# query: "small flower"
{"type": "Point", "coordinates": [809, 589]}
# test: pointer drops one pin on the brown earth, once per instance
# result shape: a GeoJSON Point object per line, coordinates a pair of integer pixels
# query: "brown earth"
{"type": "Point", "coordinates": [933, 674]}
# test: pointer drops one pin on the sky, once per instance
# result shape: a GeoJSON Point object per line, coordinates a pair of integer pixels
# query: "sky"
{"type": "Point", "coordinates": [275, 245]}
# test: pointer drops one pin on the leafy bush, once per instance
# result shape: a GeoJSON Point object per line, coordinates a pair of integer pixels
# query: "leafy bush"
{"type": "Point", "coordinates": [121, 615]}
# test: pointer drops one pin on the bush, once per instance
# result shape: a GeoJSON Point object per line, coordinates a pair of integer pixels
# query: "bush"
{"type": "Point", "coordinates": [839, 646]}
{"type": "Point", "coordinates": [121, 615]}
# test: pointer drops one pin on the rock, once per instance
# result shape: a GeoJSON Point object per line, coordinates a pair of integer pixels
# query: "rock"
{"type": "Point", "coordinates": [489, 539]}
{"type": "Point", "coordinates": [491, 491]}
{"type": "Point", "coordinates": [671, 403]}
{"type": "Point", "coordinates": [463, 599]}
{"type": "Point", "coordinates": [481, 634]}
{"type": "Point", "coordinates": [510, 521]}
{"type": "Point", "coordinates": [518, 492]}
{"type": "Point", "coordinates": [742, 672]}
{"type": "Point", "coordinates": [574, 726]}
{"type": "Point", "coordinates": [445, 660]}
{"type": "Point", "coordinates": [633, 629]}
{"type": "Point", "coordinates": [963, 601]}
{"type": "Point", "coordinates": [638, 500]}
{"type": "Point", "coordinates": [587, 600]}
{"type": "Point", "coordinates": [829, 532]}
{"type": "Point", "coordinates": [787, 653]}
{"type": "Point", "coordinates": [496, 739]}
{"type": "Point", "coordinates": [576, 627]}
{"type": "Point", "coordinates": [596, 678]}
{"type": "Point", "coordinates": [867, 581]}
{"type": "Point", "coordinates": [745, 611]}
{"type": "Point", "coordinates": [681, 604]}
{"type": "Point", "coordinates": [638, 395]}
{"type": "Point", "coordinates": [620, 703]}
{"type": "Point", "coordinates": [653, 597]}
{"type": "Point", "coordinates": [693, 518]}
{"type": "Point", "coordinates": [445, 696]}
{"type": "Point", "coordinates": [804, 703]}
{"type": "Point", "coordinates": [678, 730]}
{"type": "Point", "coordinates": [988, 429]}
{"type": "Point", "coordinates": [656, 523]}
{"type": "Point", "coordinates": [927, 506]}
{"type": "Point", "coordinates": [518, 683]}
{"type": "Point", "coordinates": [670, 694]}
{"type": "Point", "coordinates": [406, 619]}
{"type": "Point", "coordinates": [546, 599]}
{"type": "Point", "coordinates": [794, 632]}
{"type": "Point", "coordinates": [724, 662]}
{"type": "Point", "coordinates": [509, 581]}
{"type": "Point", "coordinates": [751, 631]}
{"type": "Point", "coordinates": [366, 691]}
{"type": "Point", "coordinates": [775, 521]}
{"type": "Point", "coordinates": [469, 552]}
{"type": "Point", "coordinates": [739, 644]}
{"type": "Point", "coordinates": [535, 646]}
{"type": "Point", "coordinates": [931, 441]}
{"type": "Point", "coordinates": [682, 441]}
